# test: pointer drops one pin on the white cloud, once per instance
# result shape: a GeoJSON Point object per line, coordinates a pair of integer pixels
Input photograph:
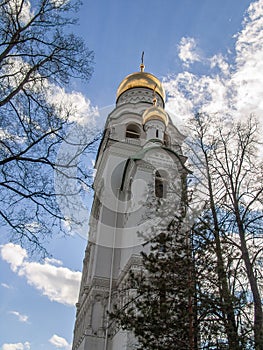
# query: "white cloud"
{"type": "Point", "coordinates": [13, 254]}
{"type": "Point", "coordinates": [21, 8]}
{"type": "Point", "coordinates": [21, 318]}
{"type": "Point", "coordinates": [247, 79]}
{"type": "Point", "coordinates": [188, 93]}
{"type": "Point", "coordinates": [7, 286]}
{"type": "Point", "coordinates": [59, 342]}
{"type": "Point", "coordinates": [74, 104]}
{"type": "Point", "coordinates": [58, 283]}
{"type": "Point", "coordinates": [236, 89]}
{"type": "Point", "coordinates": [187, 51]}
{"type": "Point", "coordinates": [5, 134]}
{"type": "Point", "coordinates": [220, 62]}
{"type": "Point", "coordinates": [53, 261]}
{"type": "Point", "coordinates": [16, 346]}
{"type": "Point", "coordinates": [59, 3]}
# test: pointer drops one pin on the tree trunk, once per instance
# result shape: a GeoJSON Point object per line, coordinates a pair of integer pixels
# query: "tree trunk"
{"type": "Point", "coordinates": [258, 312]}
{"type": "Point", "coordinates": [227, 304]}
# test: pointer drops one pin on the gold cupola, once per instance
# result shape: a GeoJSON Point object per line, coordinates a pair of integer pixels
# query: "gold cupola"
{"type": "Point", "coordinates": [155, 113]}
{"type": "Point", "coordinates": [141, 79]}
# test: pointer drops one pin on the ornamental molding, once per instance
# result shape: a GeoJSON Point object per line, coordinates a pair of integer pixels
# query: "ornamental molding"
{"type": "Point", "coordinates": [137, 95]}
{"type": "Point", "coordinates": [134, 262]}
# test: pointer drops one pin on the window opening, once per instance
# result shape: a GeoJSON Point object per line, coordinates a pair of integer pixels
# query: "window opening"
{"type": "Point", "coordinates": [96, 207]}
{"type": "Point", "coordinates": [157, 133]}
{"type": "Point", "coordinates": [133, 131]}
{"type": "Point", "coordinates": [159, 185]}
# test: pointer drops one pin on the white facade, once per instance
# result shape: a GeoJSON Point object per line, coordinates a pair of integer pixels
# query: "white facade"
{"type": "Point", "coordinates": [138, 188]}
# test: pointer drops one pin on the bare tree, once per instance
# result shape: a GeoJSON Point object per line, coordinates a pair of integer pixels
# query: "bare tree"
{"type": "Point", "coordinates": [226, 155]}
{"type": "Point", "coordinates": [38, 57]}
{"type": "Point", "coordinates": [213, 225]}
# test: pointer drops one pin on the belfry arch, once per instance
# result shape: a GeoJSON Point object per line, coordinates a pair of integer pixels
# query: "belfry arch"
{"type": "Point", "coordinates": [133, 131]}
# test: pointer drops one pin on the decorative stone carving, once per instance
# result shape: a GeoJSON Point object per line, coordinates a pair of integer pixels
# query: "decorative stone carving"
{"type": "Point", "coordinates": [139, 95]}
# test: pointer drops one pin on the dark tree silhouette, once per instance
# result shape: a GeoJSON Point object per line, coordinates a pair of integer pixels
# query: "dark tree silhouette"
{"type": "Point", "coordinates": [38, 58]}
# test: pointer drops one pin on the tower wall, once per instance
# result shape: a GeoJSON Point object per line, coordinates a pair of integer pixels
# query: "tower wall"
{"type": "Point", "coordinates": [123, 212]}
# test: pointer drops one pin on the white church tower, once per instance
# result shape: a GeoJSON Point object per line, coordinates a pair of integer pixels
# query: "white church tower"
{"type": "Point", "coordinates": [140, 169]}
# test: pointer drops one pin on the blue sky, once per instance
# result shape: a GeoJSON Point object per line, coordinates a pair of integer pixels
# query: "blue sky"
{"type": "Point", "coordinates": [209, 54]}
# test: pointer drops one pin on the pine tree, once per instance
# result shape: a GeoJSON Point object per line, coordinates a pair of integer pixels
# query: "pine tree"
{"type": "Point", "coordinates": [159, 307]}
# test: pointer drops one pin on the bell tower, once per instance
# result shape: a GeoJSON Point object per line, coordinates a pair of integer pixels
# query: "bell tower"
{"type": "Point", "coordinates": [139, 170]}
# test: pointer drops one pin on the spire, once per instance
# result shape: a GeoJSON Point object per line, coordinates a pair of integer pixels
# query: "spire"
{"type": "Point", "coordinates": [142, 79]}
{"type": "Point", "coordinates": [154, 95]}
{"type": "Point", "coordinates": [142, 66]}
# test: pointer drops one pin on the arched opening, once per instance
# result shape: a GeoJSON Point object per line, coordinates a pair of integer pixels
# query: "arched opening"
{"type": "Point", "coordinates": [159, 185]}
{"type": "Point", "coordinates": [133, 131]}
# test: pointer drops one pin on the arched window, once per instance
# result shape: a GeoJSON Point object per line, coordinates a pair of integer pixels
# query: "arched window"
{"type": "Point", "coordinates": [96, 207]}
{"type": "Point", "coordinates": [133, 131]}
{"type": "Point", "coordinates": [159, 185]}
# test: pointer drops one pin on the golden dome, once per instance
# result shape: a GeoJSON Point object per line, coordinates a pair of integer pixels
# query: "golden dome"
{"type": "Point", "coordinates": [155, 113]}
{"type": "Point", "coordinates": [141, 79]}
